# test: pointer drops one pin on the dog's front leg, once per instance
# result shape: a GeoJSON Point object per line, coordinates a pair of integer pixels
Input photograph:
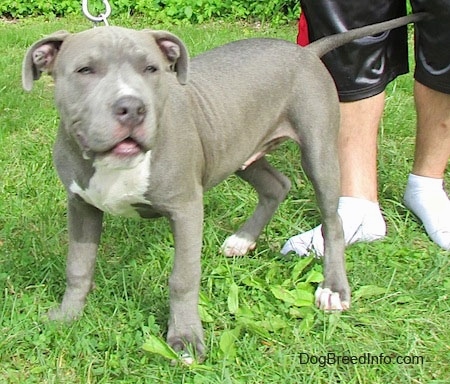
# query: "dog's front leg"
{"type": "Point", "coordinates": [185, 329]}
{"type": "Point", "coordinates": [85, 226]}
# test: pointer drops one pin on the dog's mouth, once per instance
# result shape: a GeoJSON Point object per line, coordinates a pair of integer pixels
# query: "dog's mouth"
{"type": "Point", "coordinates": [126, 148]}
{"type": "Point", "coordinates": [124, 155]}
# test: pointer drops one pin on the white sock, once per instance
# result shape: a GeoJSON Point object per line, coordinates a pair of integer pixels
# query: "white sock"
{"type": "Point", "coordinates": [361, 220]}
{"type": "Point", "coordinates": [426, 198]}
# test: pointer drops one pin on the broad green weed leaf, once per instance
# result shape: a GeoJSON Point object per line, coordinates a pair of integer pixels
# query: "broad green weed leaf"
{"type": "Point", "coordinates": [257, 283]}
{"type": "Point", "coordinates": [203, 305]}
{"type": "Point", "coordinates": [303, 298]}
{"type": "Point", "coordinates": [273, 273]}
{"type": "Point", "coordinates": [155, 345]}
{"type": "Point", "coordinates": [188, 12]}
{"type": "Point", "coordinates": [283, 294]}
{"type": "Point", "coordinates": [304, 286]}
{"type": "Point", "coordinates": [301, 312]}
{"type": "Point", "coordinates": [258, 322]}
{"type": "Point", "coordinates": [273, 323]}
{"type": "Point", "coordinates": [369, 291]}
{"type": "Point", "coordinates": [297, 297]}
{"type": "Point", "coordinates": [314, 277]}
{"type": "Point", "coordinates": [300, 266]}
{"type": "Point", "coordinates": [204, 314]}
{"type": "Point", "coordinates": [204, 300]}
{"type": "Point", "coordinates": [244, 311]}
{"type": "Point", "coordinates": [221, 270]}
{"type": "Point", "coordinates": [252, 325]}
{"type": "Point", "coordinates": [227, 342]}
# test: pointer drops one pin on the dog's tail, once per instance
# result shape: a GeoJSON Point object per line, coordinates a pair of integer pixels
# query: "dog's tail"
{"type": "Point", "coordinates": [322, 46]}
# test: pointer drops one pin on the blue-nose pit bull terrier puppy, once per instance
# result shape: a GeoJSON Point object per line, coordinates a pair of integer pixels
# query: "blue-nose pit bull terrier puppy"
{"type": "Point", "coordinates": [144, 132]}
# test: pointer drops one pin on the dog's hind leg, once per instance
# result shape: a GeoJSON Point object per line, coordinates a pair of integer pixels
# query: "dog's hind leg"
{"type": "Point", "coordinates": [320, 163]}
{"type": "Point", "coordinates": [272, 187]}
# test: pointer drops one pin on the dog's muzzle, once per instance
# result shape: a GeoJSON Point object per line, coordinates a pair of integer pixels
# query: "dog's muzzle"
{"type": "Point", "coordinates": [129, 111]}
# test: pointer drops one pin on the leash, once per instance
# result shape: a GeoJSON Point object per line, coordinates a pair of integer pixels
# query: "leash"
{"type": "Point", "coordinates": [102, 17]}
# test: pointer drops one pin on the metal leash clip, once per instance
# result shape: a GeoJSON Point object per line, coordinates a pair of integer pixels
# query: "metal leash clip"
{"type": "Point", "coordinates": [102, 17]}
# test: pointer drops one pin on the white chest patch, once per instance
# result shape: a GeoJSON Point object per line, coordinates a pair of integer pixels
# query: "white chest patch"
{"type": "Point", "coordinates": [116, 190]}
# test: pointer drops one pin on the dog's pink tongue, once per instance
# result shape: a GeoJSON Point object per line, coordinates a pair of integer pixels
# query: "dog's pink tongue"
{"type": "Point", "coordinates": [128, 147]}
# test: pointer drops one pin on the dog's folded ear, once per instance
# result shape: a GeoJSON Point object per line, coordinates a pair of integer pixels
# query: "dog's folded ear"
{"type": "Point", "coordinates": [40, 57]}
{"type": "Point", "coordinates": [175, 51]}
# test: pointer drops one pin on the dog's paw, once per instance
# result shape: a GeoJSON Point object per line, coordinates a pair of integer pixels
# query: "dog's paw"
{"type": "Point", "coordinates": [190, 348]}
{"type": "Point", "coordinates": [185, 337]}
{"type": "Point", "coordinates": [237, 246]}
{"type": "Point", "coordinates": [64, 314]}
{"type": "Point", "coordinates": [328, 300]}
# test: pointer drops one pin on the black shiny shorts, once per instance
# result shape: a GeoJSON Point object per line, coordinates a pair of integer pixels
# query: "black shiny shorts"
{"type": "Point", "coordinates": [365, 66]}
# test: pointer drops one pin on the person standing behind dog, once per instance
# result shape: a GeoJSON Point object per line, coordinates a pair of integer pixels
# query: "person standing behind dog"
{"type": "Point", "coordinates": [361, 70]}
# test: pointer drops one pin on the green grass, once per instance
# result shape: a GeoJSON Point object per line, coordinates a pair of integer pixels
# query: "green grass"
{"type": "Point", "coordinates": [254, 334]}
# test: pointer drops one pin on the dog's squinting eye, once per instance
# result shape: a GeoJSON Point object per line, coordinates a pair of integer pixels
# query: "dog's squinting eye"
{"type": "Point", "coordinates": [85, 71]}
{"type": "Point", "coordinates": [150, 69]}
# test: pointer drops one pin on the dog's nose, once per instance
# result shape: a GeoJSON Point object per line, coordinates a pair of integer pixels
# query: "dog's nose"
{"type": "Point", "coordinates": [129, 111]}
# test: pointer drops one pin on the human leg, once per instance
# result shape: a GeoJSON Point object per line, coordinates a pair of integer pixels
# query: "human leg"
{"type": "Point", "coordinates": [425, 194]}
{"type": "Point", "coordinates": [358, 146]}
{"type": "Point", "coordinates": [358, 207]}
{"type": "Point", "coordinates": [433, 132]}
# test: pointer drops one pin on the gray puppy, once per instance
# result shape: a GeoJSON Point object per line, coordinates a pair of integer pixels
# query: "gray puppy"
{"type": "Point", "coordinates": [136, 138]}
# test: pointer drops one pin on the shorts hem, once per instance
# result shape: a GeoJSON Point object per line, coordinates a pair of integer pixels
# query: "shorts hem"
{"type": "Point", "coordinates": [345, 97]}
{"type": "Point", "coordinates": [364, 93]}
{"type": "Point", "coordinates": [432, 82]}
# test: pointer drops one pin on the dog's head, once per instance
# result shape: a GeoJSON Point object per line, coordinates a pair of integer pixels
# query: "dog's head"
{"type": "Point", "coordinates": [111, 84]}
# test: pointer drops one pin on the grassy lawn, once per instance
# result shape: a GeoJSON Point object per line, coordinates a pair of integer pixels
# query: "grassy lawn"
{"type": "Point", "coordinates": [255, 331]}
